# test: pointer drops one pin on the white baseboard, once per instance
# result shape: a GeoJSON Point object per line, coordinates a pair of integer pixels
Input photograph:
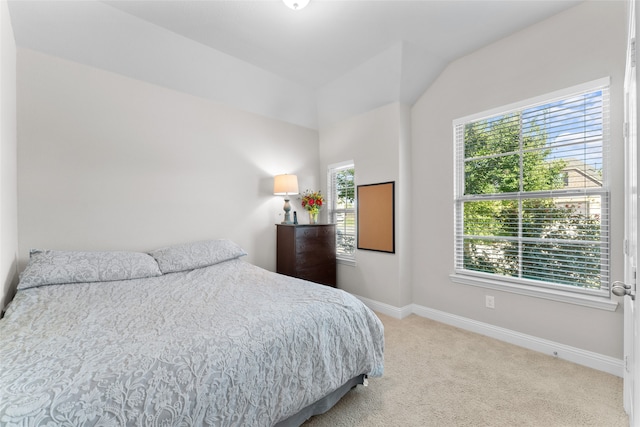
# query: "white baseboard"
{"type": "Point", "coordinates": [586, 358]}
{"type": "Point", "coordinates": [386, 309]}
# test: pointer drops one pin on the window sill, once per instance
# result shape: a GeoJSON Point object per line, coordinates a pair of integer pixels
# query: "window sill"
{"type": "Point", "coordinates": [349, 262]}
{"type": "Point", "coordinates": [549, 294]}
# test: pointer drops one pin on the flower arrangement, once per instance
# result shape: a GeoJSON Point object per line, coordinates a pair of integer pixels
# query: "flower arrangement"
{"type": "Point", "coordinates": [312, 201]}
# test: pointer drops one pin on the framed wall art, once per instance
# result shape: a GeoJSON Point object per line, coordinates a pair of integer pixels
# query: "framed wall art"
{"type": "Point", "coordinates": [376, 217]}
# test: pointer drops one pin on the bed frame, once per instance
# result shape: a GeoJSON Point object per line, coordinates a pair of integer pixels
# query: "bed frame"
{"type": "Point", "coordinates": [323, 405]}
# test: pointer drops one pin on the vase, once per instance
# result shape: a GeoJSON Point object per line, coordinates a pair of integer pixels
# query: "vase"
{"type": "Point", "coordinates": [313, 217]}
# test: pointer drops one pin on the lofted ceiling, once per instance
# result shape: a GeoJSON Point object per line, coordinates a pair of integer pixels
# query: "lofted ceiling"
{"type": "Point", "coordinates": [311, 67]}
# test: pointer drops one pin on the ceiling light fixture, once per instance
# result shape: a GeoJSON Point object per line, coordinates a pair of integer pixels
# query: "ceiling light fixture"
{"type": "Point", "coordinates": [296, 4]}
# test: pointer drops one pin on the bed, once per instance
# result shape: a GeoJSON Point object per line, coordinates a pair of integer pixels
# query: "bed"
{"type": "Point", "coordinates": [187, 335]}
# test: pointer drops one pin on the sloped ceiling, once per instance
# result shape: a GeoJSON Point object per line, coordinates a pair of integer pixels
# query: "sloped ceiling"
{"type": "Point", "coordinates": [311, 67]}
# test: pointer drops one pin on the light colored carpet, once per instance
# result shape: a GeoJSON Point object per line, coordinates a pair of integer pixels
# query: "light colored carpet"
{"type": "Point", "coordinates": [438, 375]}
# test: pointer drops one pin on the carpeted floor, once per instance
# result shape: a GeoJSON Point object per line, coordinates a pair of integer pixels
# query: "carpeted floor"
{"type": "Point", "coordinates": [438, 375]}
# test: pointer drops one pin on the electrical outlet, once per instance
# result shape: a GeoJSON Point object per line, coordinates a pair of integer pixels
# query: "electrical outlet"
{"type": "Point", "coordinates": [490, 302]}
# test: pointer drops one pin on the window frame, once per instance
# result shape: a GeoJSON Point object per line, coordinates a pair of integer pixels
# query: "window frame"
{"type": "Point", "coordinates": [332, 170]}
{"type": "Point", "coordinates": [592, 298]}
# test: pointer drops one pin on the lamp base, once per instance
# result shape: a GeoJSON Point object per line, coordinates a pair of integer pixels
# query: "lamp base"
{"type": "Point", "coordinates": [287, 209]}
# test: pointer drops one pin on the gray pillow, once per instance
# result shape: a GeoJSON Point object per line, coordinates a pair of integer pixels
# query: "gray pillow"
{"type": "Point", "coordinates": [50, 267]}
{"type": "Point", "coordinates": [189, 256]}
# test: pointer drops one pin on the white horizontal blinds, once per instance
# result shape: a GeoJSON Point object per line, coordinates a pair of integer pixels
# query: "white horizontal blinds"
{"type": "Point", "coordinates": [342, 208]}
{"type": "Point", "coordinates": [531, 199]}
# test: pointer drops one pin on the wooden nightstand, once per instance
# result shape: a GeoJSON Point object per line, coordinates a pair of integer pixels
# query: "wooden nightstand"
{"type": "Point", "coordinates": [307, 252]}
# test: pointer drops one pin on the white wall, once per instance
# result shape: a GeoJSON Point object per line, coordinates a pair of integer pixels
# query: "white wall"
{"type": "Point", "coordinates": [398, 74]}
{"type": "Point", "coordinates": [378, 143]}
{"type": "Point", "coordinates": [582, 44]}
{"type": "Point", "coordinates": [145, 51]}
{"type": "Point", "coordinates": [107, 162]}
{"type": "Point", "coordinates": [8, 162]}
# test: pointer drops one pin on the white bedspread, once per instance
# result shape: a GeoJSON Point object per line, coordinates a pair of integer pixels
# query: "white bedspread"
{"type": "Point", "coordinates": [229, 344]}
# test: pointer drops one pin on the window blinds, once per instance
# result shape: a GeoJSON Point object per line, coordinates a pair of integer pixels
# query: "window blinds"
{"type": "Point", "coordinates": [342, 208]}
{"type": "Point", "coordinates": [532, 204]}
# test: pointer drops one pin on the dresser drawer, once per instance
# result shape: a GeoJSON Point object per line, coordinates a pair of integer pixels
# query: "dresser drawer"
{"type": "Point", "coordinates": [324, 245]}
{"type": "Point", "coordinates": [315, 232]}
{"type": "Point", "coordinates": [320, 274]}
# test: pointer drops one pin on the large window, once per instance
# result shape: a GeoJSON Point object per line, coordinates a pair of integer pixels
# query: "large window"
{"type": "Point", "coordinates": [342, 212]}
{"type": "Point", "coordinates": [531, 199]}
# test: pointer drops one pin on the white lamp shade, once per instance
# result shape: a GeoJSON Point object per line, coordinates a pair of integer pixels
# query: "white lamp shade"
{"type": "Point", "coordinates": [285, 184]}
{"type": "Point", "coordinates": [296, 4]}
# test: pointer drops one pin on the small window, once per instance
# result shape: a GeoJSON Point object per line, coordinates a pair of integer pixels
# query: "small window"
{"type": "Point", "coordinates": [531, 200]}
{"type": "Point", "coordinates": [342, 210]}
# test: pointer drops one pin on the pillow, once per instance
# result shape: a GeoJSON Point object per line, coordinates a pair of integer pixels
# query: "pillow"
{"type": "Point", "coordinates": [48, 267]}
{"type": "Point", "coordinates": [189, 256]}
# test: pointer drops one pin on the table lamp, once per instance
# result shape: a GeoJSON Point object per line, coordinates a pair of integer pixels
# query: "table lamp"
{"type": "Point", "coordinates": [285, 185]}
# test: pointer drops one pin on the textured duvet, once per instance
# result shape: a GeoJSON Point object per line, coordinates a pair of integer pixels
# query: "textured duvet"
{"type": "Point", "coordinates": [228, 344]}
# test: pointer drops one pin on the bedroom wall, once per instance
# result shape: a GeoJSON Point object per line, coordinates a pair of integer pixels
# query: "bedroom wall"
{"type": "Point", "coordinates": [8, 161]}
{"type": "Point", "coordinates": [378, 142]}
{"type": "Point", "coordinates": [145, 51]}
{"type": "Point", "coordinates": [582, 44]}
{"type": "Point", "coordinates": [107, 162]}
